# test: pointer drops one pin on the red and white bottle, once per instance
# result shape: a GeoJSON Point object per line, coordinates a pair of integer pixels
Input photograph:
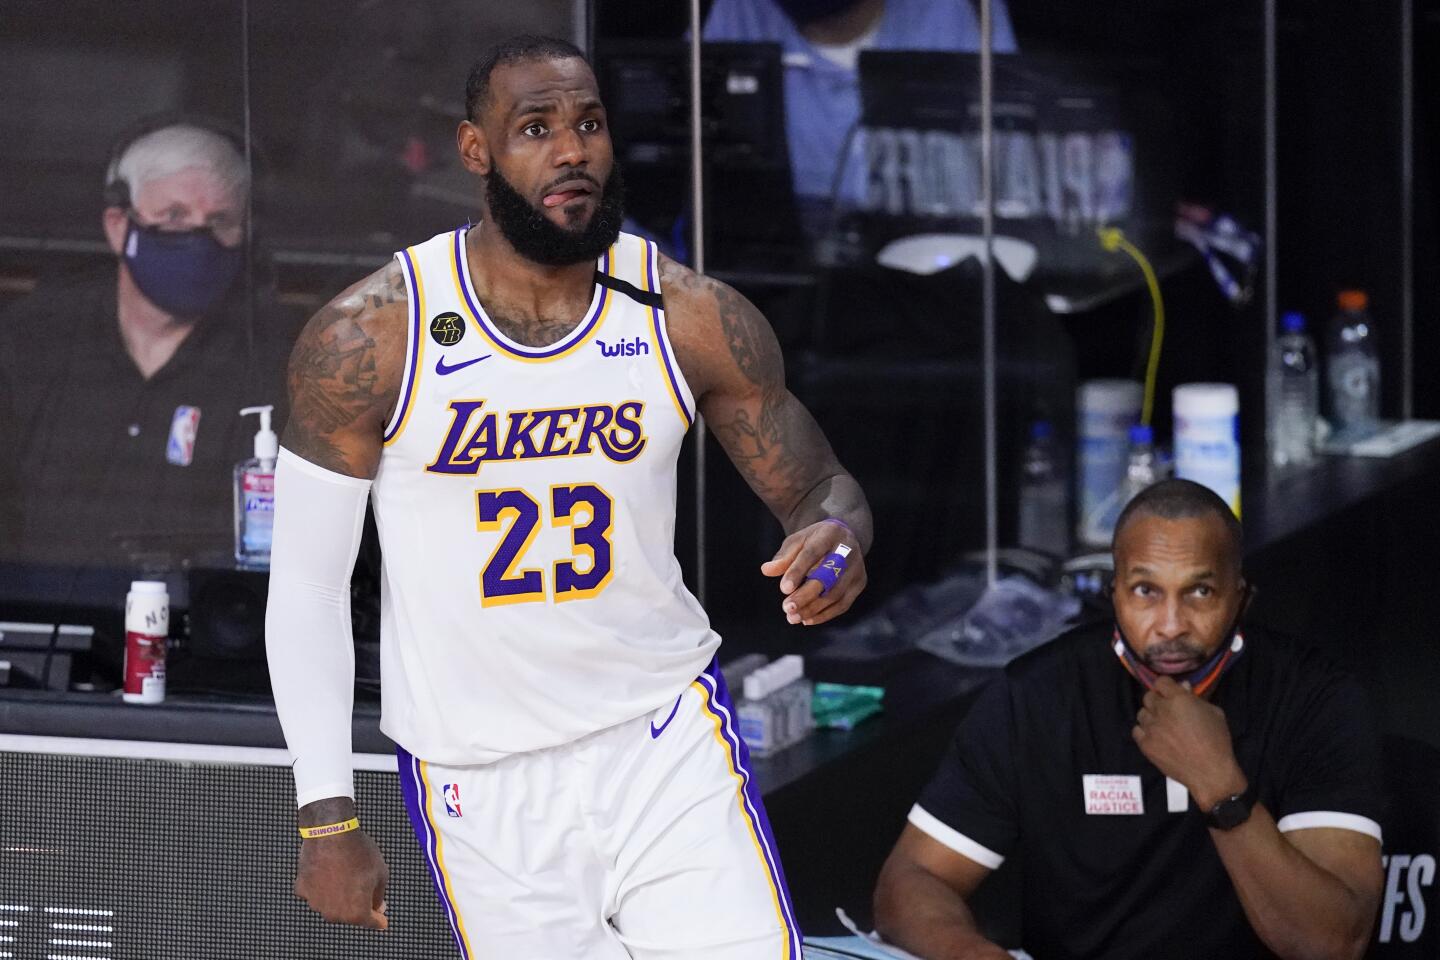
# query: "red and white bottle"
{"type": "Point", "coordinates": [147, 624]}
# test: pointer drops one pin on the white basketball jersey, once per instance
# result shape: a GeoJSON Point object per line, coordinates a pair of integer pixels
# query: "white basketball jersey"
{"type": "Point", "coordinates": [526, 506]}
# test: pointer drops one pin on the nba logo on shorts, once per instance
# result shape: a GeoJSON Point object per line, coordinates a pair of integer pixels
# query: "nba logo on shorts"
{"type": "Point", "coordinates": [451, 792]}
{"type": "Point", "coordinates": [183, 427]}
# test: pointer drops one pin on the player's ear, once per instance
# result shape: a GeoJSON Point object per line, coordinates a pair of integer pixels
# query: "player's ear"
{"type": "Point", "coordinates": [474, 148]}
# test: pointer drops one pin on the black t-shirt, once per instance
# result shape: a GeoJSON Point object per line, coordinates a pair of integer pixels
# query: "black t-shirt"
{"type": "Point", "coordinates": [1109, 874]}
{"type": "Point", "coordinates": [91, 475]}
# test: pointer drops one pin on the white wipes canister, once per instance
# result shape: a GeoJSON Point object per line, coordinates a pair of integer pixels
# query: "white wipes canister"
{"type": "Point", "coordinates": [1207, 438]}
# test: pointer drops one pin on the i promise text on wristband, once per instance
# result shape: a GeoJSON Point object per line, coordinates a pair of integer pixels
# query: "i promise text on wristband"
{"type": "Point", "coordinates": [842, 523]}
{"type": "Point", "coordinates": [330, 829]}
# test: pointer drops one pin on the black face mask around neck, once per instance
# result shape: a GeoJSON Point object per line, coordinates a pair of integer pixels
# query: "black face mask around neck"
{"type": "Point", "coordinates": [1200, 679]}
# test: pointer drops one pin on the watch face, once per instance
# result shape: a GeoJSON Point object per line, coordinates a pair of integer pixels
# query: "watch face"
{"type": "Point", "coordinates": [1230, 813]}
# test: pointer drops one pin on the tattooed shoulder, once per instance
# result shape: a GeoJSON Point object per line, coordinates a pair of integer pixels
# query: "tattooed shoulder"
{"type": "Point", "coordinates": [714, 324]}
{"type": "Point", "coordinates": [345, 373]}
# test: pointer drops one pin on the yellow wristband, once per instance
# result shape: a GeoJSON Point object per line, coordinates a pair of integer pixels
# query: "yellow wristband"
{"type": "Point", "coordinates": [330, 829]}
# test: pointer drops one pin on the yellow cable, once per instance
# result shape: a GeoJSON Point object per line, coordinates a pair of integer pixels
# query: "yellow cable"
{"type": "Point", "coordinates": [1112, 239]}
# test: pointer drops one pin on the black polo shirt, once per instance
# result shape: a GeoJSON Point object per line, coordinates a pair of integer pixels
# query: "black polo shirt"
{"type": "Point", "coordinates": [90, 475]}
{"type": "Point", "coordinates": [1044, 765]}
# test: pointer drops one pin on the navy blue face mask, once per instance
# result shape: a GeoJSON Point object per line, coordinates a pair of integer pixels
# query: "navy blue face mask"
{"type": "Point", "coordinates": [183, 272]}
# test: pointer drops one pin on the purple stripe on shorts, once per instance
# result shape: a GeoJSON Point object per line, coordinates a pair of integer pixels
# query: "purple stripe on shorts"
{"type": "Point", "coordinates": [412, 786]}
{"type": "Point", "coordinates": [720, 705]}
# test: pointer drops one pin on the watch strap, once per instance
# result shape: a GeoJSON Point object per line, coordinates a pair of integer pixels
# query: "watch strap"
{"type": "Point", "coordinates": [1214, 817]}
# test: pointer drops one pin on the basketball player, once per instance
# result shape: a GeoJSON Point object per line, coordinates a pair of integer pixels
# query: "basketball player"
{"type": "Point", "coordinates": [512, 397]}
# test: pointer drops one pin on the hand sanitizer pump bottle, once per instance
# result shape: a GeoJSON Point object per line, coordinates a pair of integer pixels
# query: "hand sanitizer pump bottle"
{"type": "Point", "coordinates": [255, 495]}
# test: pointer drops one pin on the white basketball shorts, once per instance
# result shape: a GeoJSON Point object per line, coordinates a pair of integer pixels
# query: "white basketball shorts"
{"type": "Point", "coordinates": [644, 840]}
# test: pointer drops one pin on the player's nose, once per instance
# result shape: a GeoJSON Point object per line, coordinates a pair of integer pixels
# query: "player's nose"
{"type": "Point", "coordinates": [569, 149]}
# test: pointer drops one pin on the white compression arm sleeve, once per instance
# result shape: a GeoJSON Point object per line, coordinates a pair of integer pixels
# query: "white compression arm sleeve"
{"type": "Point", "coordinates": [319, 515]}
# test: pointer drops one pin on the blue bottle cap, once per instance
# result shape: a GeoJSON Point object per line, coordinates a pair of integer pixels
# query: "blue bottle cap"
{"type": "Point", "coordinates": [1141, 433]}
{"type": "Point", "coordinates": [1293, 322]}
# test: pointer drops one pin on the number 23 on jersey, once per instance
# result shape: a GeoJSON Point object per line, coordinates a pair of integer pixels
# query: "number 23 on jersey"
{"type": "Point", "coordinates": [586, 508]}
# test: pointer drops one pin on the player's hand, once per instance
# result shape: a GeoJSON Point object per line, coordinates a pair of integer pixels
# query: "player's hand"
{"type": "Point", "coordinates": [1188, 739]}
{"type": "Point", "coordinates": [798, 556]}
{"type": "Point", "coordinates": [343, 879]}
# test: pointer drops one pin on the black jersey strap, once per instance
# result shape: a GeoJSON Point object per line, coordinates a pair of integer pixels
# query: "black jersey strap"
{"type": "Point", "coordinates": [642, 297]}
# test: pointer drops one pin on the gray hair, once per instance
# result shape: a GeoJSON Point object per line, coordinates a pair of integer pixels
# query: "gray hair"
{"type": "Point", "coordinates": [180, 147]}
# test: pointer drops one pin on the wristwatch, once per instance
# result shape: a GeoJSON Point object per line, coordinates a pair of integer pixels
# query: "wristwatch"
{"type": "Point", "coordinates": [1232, 811]}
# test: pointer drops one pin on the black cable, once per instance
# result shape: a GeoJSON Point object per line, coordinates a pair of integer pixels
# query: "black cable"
{"type": "Point", "coordinates": [249, 193]}
{"type": "Point", "coordinates": [828, 241]}
{"type": "Point", "coordinates": [832, 226]}
{"type": "Point", "coordinates": [53, 644]}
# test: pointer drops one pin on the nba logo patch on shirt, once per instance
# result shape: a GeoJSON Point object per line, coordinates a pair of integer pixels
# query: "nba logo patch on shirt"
{"type": "Point", "coordinates": [451, 792]}
{"type": "Point", "coordinates": [1112, 795]}
{"type": "Point", "coordinates": [183, 428]}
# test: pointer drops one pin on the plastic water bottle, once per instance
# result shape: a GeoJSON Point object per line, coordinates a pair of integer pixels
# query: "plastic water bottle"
{"type": "Point", "coordinates": [1106, 410]}
{"type": "Point", "coordinates": [1294, 390]}
{"type": "Point", "coordinates": [1140, 471]}
{"type": "Point", "coordinates": [1044, 495]}
{"type": "Point", "coordinates": [1353, 372]}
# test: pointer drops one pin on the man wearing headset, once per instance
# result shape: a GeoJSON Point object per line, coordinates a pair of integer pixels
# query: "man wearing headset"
{"type": "Point", "coordinates": [120, 390]}
{"type": "Point", "coordinates": [1178, 787]}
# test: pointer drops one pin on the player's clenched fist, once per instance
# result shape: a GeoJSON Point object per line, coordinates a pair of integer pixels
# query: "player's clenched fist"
{"type": "Point", "coordinates": [343, 879]}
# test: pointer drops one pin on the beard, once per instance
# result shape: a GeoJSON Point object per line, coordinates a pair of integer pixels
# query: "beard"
{"type": "Point", "coordinates": [536, 238]}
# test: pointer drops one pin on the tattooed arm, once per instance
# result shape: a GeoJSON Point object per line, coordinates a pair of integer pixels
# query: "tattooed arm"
{"type": "Point", "coordinates": [345, 375]}
{"type": "Point", "coordinates": [732, 362]}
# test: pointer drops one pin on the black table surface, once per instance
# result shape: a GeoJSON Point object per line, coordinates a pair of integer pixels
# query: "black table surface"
{"type": "Point", "coordinates": [1288, 502]}
{"type": "Point", "coordinates": [912, 697]}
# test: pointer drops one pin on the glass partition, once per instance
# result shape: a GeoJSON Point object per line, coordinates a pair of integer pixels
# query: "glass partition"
{"type": "Point", "coordinates": [183, 186]}
{"type": "Point", "coordinates": [1149, 245]}
{"type": "Point", "coordinates": [1344, 212]}
{"type": "Point", "coordinates": [843, 172]}
{"type": "Point", "coordinates": [115, 454]}
{"type": "Point", "coordinates": [860, 232]}
{"type": "Point", "coordinates": [791, 182]}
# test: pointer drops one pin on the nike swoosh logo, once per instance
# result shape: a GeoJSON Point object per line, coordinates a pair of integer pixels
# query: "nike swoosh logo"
{"type": "Point", "coordinates": [655, 732]}
{"type": "Point", "coordinates": [444, 369]}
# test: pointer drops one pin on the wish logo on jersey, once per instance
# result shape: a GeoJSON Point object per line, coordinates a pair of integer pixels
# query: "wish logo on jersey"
{"type": "Point", "coordinates": [625, 348]}
{"type": "Point", "coordinates": [451, 793]}
{"type": "Point", "coordinates": [477, 435]}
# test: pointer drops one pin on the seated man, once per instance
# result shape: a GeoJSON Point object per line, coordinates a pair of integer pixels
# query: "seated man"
{"type": "Point", "coordinates": [120, 391]}
{"type": "Point", "coordinates": [1175, 788]}
{"type": "Point", "coordinates": [822, 40]}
